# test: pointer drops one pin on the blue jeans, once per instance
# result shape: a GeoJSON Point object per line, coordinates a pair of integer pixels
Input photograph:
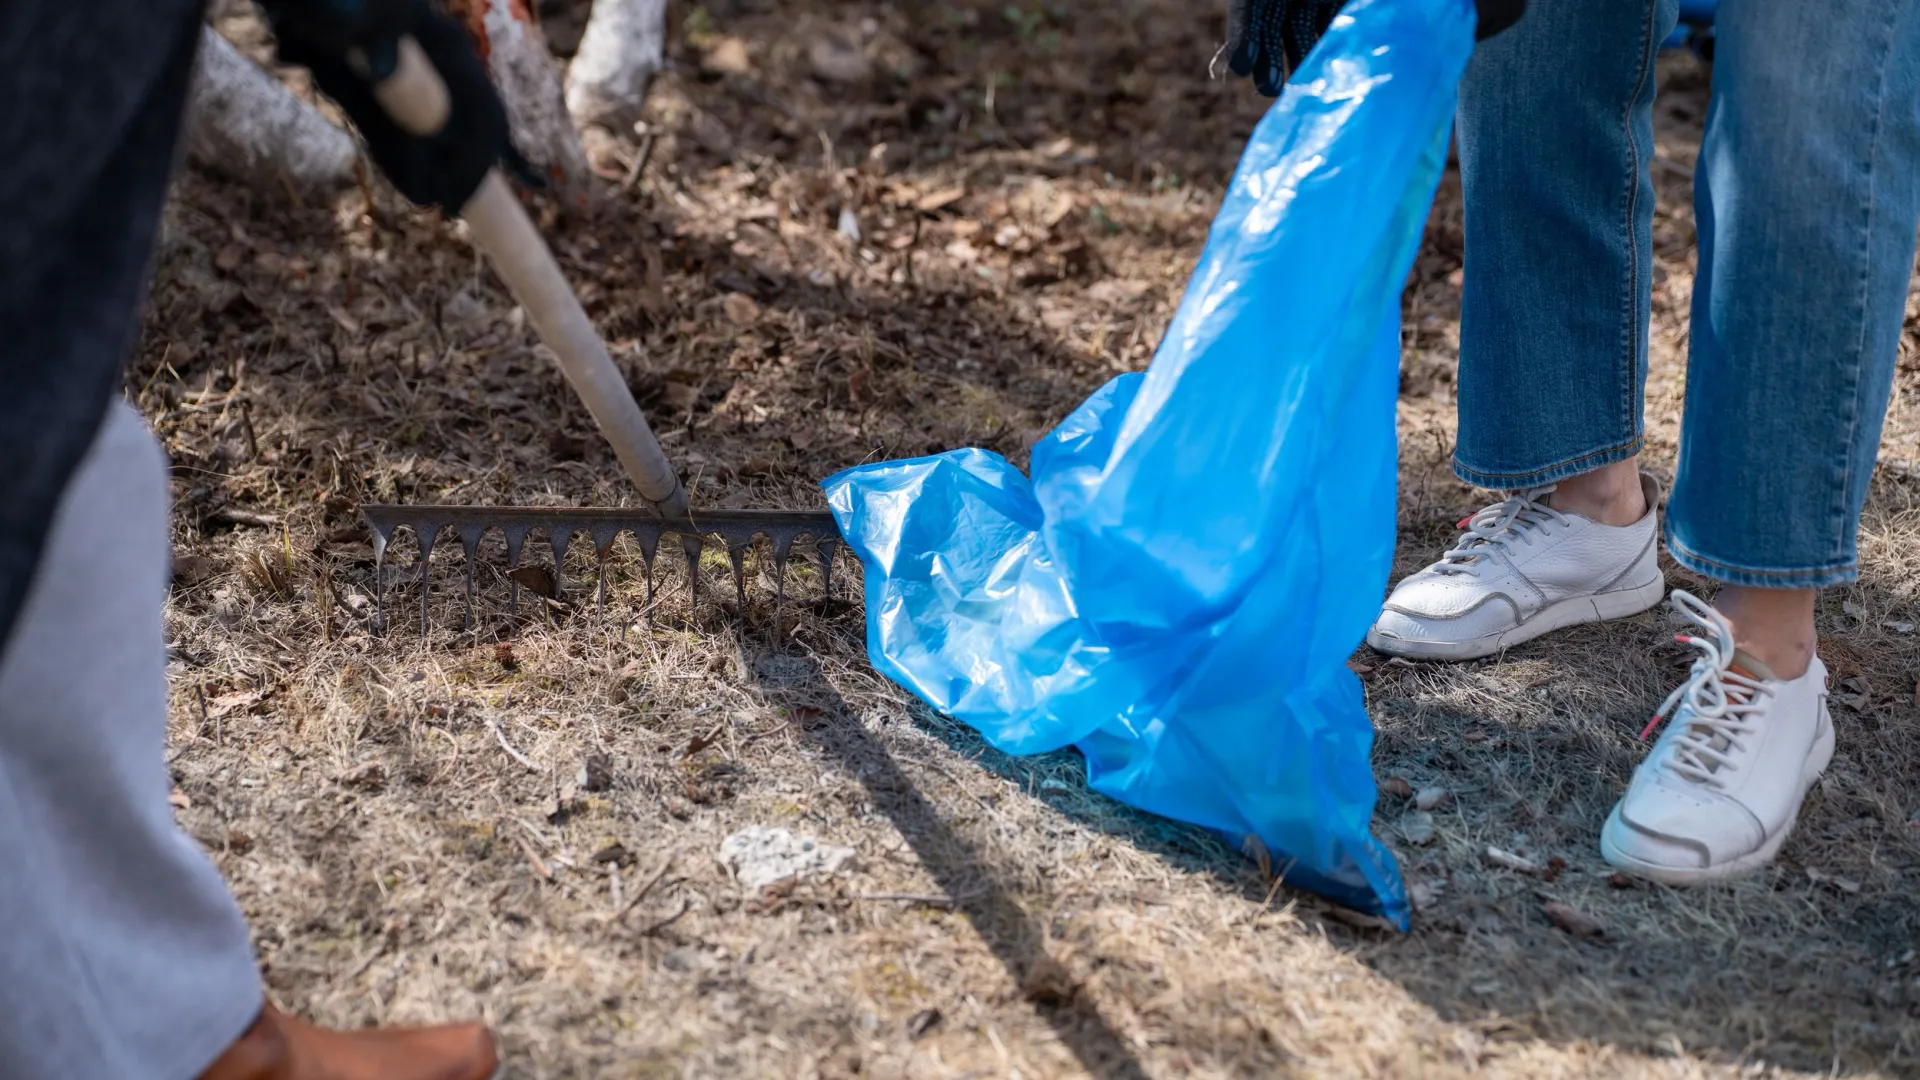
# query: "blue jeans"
{"type": "Point", "coordinates": [1807, 198]}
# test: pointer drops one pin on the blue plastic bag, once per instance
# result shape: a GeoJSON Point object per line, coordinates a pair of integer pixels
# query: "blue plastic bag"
{"type": "Point", "coordinates": [1201, 547]}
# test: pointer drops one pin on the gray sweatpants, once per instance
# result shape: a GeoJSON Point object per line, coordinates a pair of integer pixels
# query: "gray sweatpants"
{"type": "Point", "coordinates": [122, 954]}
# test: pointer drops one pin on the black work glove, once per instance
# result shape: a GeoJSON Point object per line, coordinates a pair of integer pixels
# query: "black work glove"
{"type": "Point", "coordinates": [442, 169]}
{"type": "Point", "coordinates": [1267, 39]}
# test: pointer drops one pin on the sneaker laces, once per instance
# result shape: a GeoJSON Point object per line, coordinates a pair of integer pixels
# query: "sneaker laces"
{"type": "Point", "coordinates": [1716, 705]}
{"type": "Point", "coordinates": [1519, 519]}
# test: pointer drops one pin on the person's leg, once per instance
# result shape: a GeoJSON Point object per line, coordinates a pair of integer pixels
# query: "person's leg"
{"type": "Point", "coordinates": [1808, 196]}
{"type": "Point", "coordinates": [124, 955]}
{"type": "Point", "coordinates": [1555, 141]}
{"type": "Point", "coordinates": [1555, 136]}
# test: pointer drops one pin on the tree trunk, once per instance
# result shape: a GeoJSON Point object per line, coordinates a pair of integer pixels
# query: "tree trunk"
{"type": "Point", "coordinates": [516, 54]}
{"type": "Point", "coordinates": [243, 123]}
{"type": "Point", "coordinates": [624, 47]}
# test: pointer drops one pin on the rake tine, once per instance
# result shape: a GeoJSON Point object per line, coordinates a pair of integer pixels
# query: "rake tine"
{"type": "Point", "coordinates": [516, 535]}
{"type": "Point", "coordinates": [425, 535]}
{"type": "Point", "coordinates": [737, 554]}
{"type": "Point", "coordinates": [379, 576]}
{"type": "Point", "coordinates": [603, 538]}
{"type": "Point", "coordinates": [782, 548]}
{"type": "Point", "coordinates": [693, 546]}
{"type": "Point", "coordinates": [558, 538]}
{"type": "Point", "coordinates": [827, 547]}
{"type": "Point", "coordinates": [470, 540]}
{"type": "Point", "coordinates": [648, 534]}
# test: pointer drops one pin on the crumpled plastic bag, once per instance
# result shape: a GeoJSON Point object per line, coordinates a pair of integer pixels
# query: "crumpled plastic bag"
{"type": "Point", "coordinates": [1178, 587]}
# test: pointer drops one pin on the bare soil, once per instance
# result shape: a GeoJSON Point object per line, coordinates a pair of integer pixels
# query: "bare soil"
{"type": "Point", "coordinates": [520, 820]}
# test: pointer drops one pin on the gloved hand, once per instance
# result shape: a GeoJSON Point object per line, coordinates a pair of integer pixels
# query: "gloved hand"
{"type": "Point", "coordinates": [442, 169]}
{"type": "Point", "coordinates": [1267, 39]}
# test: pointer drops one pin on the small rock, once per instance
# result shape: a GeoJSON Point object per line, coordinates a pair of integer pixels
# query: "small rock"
{"type": "Point", "coordinates": [1417, 828]}
{"type": "Point", "coordinates": [1429, 798]}
{"type": "Point", "coordinates": [596, 773]}
{"type": "Point", "coordinates": [1050, 786]}
{"type": "Point", "coordinates": [757, 857]}
{"type": "Point", "coordinates": [849, 225]}
{"type": "Point", "coordinates": [1573, 920]}
{"type": "Point", "coordinates": [1397, 787]}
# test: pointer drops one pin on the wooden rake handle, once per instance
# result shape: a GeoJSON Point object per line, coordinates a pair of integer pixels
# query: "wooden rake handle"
{"type": "Point", "coordinates": [416, 98]}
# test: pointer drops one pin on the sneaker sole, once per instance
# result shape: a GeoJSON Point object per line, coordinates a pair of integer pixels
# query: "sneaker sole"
{"type": "Point", "coordinates": [1753, 862]}
{"type": "Point", "coordinates": [1573, 611]}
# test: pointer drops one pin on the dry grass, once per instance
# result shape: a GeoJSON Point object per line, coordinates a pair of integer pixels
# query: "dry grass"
{"type": "Point", "coordinates": [405, 818]}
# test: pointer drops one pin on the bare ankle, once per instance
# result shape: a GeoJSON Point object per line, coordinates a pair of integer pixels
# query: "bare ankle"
{"type": "Point", "coordinates": [1610, 495]}
{"type": "Point", "coordinates": [1774, 626]}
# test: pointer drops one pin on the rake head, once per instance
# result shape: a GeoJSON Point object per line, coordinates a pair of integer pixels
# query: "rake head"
{"type": "Point", "coordinates": [737, 529]}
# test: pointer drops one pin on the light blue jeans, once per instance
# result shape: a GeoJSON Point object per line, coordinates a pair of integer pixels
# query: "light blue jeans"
{"type": "Point", "coordinates": [1807, 197]}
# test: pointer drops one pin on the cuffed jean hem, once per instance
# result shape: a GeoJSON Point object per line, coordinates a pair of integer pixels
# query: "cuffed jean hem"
{"type": "Point", "coordinates": [1818, 577]}
{"type": "Point", "coordinates": [1548, 474]}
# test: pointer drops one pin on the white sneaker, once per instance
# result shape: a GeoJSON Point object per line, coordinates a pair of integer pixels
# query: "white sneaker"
{"type": "Point", "coordinates": [1523, 569]}
{"type": "Point", "coordinates": [1719, 793]}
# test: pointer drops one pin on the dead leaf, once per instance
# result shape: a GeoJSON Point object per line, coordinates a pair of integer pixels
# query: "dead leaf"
{"type": "Point", "coordinates": [1360, 669]}
{"type": "Point", "coordinates": [680, 396]}
{"type": "Point", "coordinates": [740, 309]}
{"type": "Point", "coordinates": [834, 60]}
{"type": "Point", "coordinates": [230, 258]}
{"type": "Point", "coordinates": [240, 701]}
{"type": "Point", "coordinates": [191, 570]}
{"type": "Point", "coordinates": [934, 201]}
{"type": "Point", "coordinates": [1256, 849]}
{"type": "Point", "coordinates": [1573, 920]}
{"type": "Point", "coordinates": [727, 56]}
{"type": "Point", "coordinates": [922, 1022]}
{"type": "Point", "coordinates": [701, 742]}
{"type": "Point", "coordinates": [1417, 828]}
{"type": "Point", "coordinates": [347, 322]}
{"type": "Point", "coordinates": [1049, 982]}
{"type": "Point", "coordinates": [349, 534]}
{"type": "Point", "coordinates": [1510, 861]}
{"type": "Point", "coordinates": [596, 773]}
{"type": "Point", "coordinates": [1431, 797]}
{"type": "Point", "coordinates": [1898, 626]}
{"type": "Point", "coordinates": [1397, 787]}
{"type": "Point", "coordinates": [503, 655]}
{"type": "Point", "coordinates": [615, 853]}
{"type": "Point", "coordinates": [1821, 877]}
{"type": "Point", "coordinates": [1360, 920]}
{"type": "Point", "coordinates": [537, 580]}
{"type": "Point", "coordinates": [369, 777]}
{"type": "Point", "coordinates": [178, 800]}
{"type": "Point", "coordinates": [1617, 880]}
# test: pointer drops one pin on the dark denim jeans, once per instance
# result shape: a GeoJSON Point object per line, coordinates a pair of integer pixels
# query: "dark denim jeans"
{"type": "Point", "coordinates": [1807, 197]}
